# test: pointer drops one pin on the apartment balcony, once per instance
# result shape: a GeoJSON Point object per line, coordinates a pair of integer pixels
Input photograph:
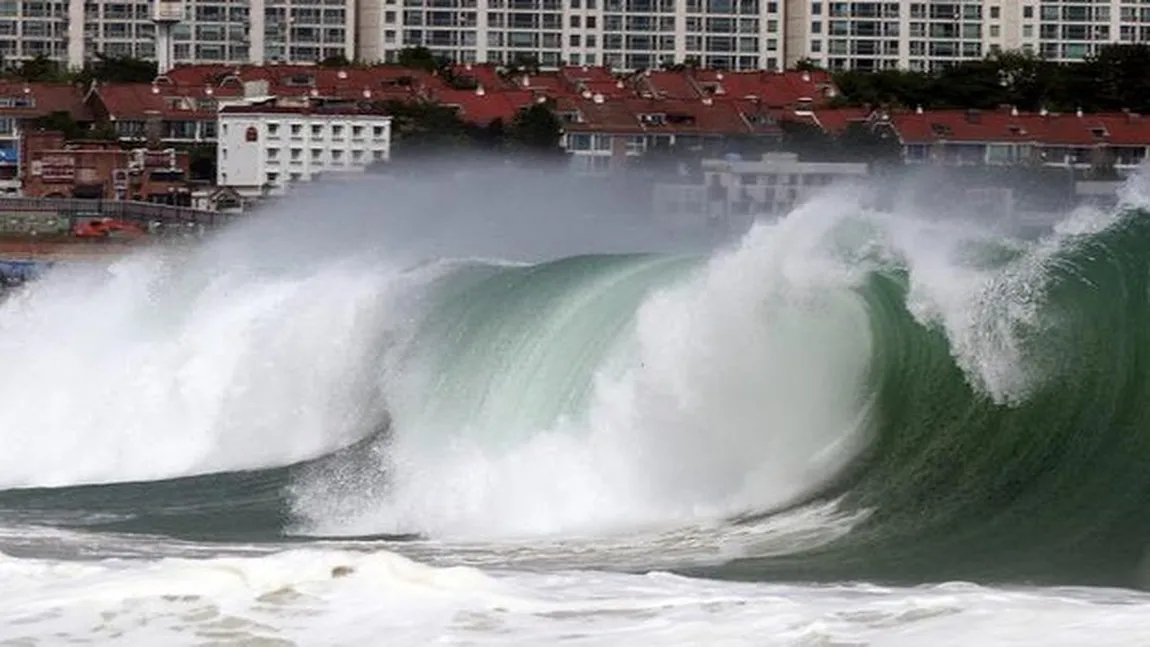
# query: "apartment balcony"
{"type": "Point", "coordinates": [168, 11]}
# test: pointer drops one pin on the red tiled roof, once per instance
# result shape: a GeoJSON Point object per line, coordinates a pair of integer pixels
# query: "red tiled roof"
{"type": "Point", "coordinates": [775, 89]}
{"type": "Point", "coordinates": [576, 74]}
{"type": "Point", "coordinates": [137, 100]}
{"type": "Point", "coordinates": [638, 115]}
{"type": "Point", "coordinates": [760, 118]}
{"type": "Point", "coordinates": [547, 84]}
{"type": "Point", "coordinates": [485, 108]}
{"type": "Point", "coordinates": [299, 80]}
{"type": "Point", "coordinates": [262, 109]}
{"type": "Point", "coordinates": [668, 85]}
{"type": "Point", "coordinates": [45, 99]}
{"type": "Point", "coordinates": [1004, 126]}
{"type": "Point", "coordinates": [837, 120]}
{"type": "Point", "coordinates": [209, 74]}
{"type": "Point", "coordinates": [486, 75]}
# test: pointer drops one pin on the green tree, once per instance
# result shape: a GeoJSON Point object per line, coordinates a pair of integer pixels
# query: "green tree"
{"type": "Point", "coordinates": [493, 136]}
{"type": "Point", "coordinates": [537, 131]}
{"type": "Point", "coordinates": [338, 60]}
{"type": "Point", "coordinates": [422, 128]}
{"type": "Point", "coordinates": [61, 122]}
{"type": "Point", "coordinates": [970, 84]}
{"type": "Point", "coordinates": [116, 69]}
{"type": "Point", "coordinates": [522, 63]}
{"type": "Point", "coordinates": [1119, 77]}
{"type": "Point", "coordinates": [809, 141]}
{"type": "Point", "coordinates": [807, 64]}
{"type": "Point", "coordinates": [39, 70]}
{"type": "Point", "coordinates": [861, 143]}
{"type": "Point", "coordinates": [418, 58]}
{"type": "Point", "coordinates": [201, 161]}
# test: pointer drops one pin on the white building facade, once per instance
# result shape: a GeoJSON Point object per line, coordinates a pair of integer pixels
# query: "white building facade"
{"type": "Point", "coordinates": [732, 193]}
{"type": "Point", "coordinates": [207, 31]}
{"type": "Point", "coordinates": [925, 35]}
{"type": "Point", "coordinates": [626, 34]}
{"type": "Point", "coordinates": [747, 34]}
{"type": "Point", "coordinates": [263, 148]}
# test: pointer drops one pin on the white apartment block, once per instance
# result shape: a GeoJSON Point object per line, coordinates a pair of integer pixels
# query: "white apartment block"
{"type": "Point", "coordinates": [923, 35]}
{"type": "Point", "coordinates": [625, 34]}
{"type": "Point", "coordinates": [747, 34]}
{"type": "Point", "coordinates": [731, 193]}
{"type": "Point", "coordinates": [202, 31]}
{"type": "Point", "coordinates": [263, 148]}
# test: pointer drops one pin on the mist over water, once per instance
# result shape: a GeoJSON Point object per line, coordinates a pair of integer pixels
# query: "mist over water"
{"type": "Point", "coordinates": [491, 364]}
{"type": "Point", "coordinates": [261, 347]}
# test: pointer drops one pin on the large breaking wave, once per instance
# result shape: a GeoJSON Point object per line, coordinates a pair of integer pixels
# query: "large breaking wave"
{"type": "Point", "coordinates": [981, 399]}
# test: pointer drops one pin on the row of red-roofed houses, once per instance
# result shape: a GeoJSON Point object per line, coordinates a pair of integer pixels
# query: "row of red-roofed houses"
{"type": "Point", "coordinates": [606, 118]}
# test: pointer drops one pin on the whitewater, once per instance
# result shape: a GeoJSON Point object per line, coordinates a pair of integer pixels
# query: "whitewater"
{"type": "Point", "coordinates": [386, 413]}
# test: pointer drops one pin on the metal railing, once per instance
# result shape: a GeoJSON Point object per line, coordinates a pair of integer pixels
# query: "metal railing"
{"type": "Point", "coordinates": [143, 213]}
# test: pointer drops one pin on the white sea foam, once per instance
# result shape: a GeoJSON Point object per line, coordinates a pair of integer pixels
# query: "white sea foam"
{"type": "Point", "coordinates": [327, 597]}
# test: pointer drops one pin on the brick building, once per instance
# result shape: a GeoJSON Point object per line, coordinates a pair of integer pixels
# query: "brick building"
{"type": "Point", "coordinates": [56, 168]}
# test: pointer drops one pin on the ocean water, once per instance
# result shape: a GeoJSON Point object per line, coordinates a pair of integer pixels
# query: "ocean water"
{"type": "Point", "coordinates": [845, 427]}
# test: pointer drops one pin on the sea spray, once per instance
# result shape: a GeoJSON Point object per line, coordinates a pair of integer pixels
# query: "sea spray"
{"type": "Point", "coordinates": [146, 368]}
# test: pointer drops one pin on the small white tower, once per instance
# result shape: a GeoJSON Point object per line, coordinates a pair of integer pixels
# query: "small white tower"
{"type": "Point", "coordinates": [165, 14]}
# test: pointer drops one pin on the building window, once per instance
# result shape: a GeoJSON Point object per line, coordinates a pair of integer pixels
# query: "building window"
{"type": "Point", "coordinates": [251, 134]}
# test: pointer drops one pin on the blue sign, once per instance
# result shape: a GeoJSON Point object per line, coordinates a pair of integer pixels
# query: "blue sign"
{"type": "Point", "coordinates": [9, 154]}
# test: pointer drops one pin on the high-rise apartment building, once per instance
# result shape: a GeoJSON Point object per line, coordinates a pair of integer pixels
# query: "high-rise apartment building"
{"type": "Point", "coordinates": [626, 34]}
{"type": "Point", "coordinates": [922, 35]}
{"type": "Point", "coordinates": [748, 34]}
{"type": "Point", "coordinates": [201, 31]}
